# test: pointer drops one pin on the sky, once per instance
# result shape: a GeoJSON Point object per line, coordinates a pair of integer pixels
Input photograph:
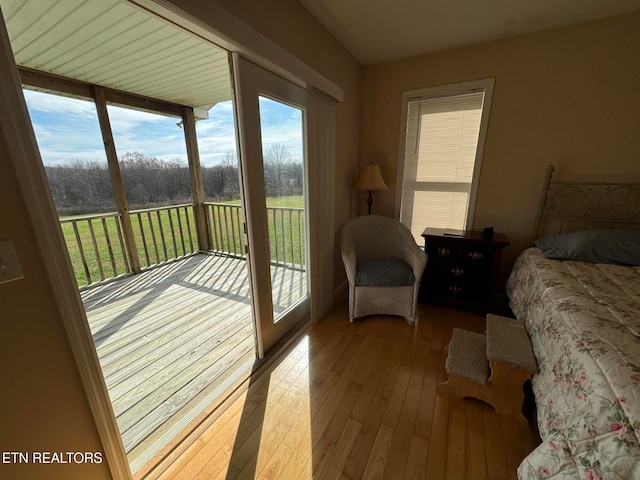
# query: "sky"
{"type": "Point", "coordinates": [67, 129]}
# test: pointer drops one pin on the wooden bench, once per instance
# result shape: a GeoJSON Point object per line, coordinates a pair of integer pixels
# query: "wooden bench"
{"type": "Point", "coordinates": [491, 367]}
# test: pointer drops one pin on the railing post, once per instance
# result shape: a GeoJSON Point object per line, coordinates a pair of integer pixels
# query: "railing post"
{"type": "Point", "coordinates": [195, 172]}
{"type": "Point", "coordinates": [116, 177]}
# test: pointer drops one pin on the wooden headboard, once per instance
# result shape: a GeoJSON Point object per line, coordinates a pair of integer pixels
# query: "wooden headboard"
{"type": "Point", "coordinates": [570, 207]}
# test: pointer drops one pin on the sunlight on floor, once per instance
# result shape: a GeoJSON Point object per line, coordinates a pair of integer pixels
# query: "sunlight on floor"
{"type": "Point", "coordinates": [285, 444]}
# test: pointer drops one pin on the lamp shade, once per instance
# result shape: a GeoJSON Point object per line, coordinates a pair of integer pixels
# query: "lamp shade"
{"type": "Point", "coordinates": [371, 179]}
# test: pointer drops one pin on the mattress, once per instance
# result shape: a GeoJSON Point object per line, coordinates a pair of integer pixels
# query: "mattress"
{"type": "Point", "coordinates": [584, 323]}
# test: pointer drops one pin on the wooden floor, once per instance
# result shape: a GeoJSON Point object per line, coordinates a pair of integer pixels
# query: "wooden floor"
{"type": "Point", "coordinates": [356, 401]}
{"type": "Point", "coordinates": [172, 337]}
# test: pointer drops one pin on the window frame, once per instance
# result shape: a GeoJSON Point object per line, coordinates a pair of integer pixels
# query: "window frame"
{"type": "Point", "coordinates": [452, 89]}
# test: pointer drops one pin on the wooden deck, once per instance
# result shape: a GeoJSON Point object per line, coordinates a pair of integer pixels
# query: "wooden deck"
{"type": "Point", "coordinates": [172, 338]}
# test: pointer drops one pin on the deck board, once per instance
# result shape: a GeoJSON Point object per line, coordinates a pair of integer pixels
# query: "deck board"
{"type": "Point", "coordinates": [170, 336]}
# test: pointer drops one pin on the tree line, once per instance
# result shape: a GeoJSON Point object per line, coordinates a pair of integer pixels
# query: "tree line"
{"type": "Point", "coordinates": [82, 187]}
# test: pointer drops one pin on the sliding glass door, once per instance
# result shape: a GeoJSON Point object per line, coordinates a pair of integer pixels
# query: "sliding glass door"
{"type": "Point", "coordinates": [271, 117]}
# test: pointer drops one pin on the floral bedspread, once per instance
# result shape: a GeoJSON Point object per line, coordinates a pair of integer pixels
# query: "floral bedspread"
{"type": "Point", "coordinates": [584, 323]}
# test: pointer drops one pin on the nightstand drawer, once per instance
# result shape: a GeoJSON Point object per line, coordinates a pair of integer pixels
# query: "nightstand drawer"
{"type": "Point", "coordinates": [458, 290]}
{"type": "Point", "coordinates": [452, 251]}
{"type": "Point", "coordinates": [475, 255]}
{"type": "Point", "coordinates": [442, 251]}
{"type": "Point", "coordinates": [460, 271]}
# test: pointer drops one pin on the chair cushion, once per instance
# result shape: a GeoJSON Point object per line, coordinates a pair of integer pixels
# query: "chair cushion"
{"type": "Point", "coordinates": [383, 272]}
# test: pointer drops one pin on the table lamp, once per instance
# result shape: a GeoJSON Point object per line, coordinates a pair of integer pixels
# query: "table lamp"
{"type": "Point", "coordinates": [371, 180]}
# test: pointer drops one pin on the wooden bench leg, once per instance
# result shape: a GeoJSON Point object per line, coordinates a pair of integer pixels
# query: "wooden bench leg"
{"type": "Point", "coordinates": [460, 387]}
{"type": "Point", "coordinates": [506, 382]}
{"type": "Point", "coordinates": [503, 391]}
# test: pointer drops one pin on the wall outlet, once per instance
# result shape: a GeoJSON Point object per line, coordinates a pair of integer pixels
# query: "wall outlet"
{"type": "Point", "coordinates": [9, 264]}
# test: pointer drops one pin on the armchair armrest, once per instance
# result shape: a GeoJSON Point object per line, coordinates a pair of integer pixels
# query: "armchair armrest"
{"type": "Point", "coordinates": [349, 258]}
{"type": "Point", "coordinates": [415, 257]}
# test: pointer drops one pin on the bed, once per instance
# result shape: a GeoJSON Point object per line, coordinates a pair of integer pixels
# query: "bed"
{"type": "Point", "coordinates": [584, 322]}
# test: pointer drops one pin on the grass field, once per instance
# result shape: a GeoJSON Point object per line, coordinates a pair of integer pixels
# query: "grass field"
{"type": "Point", "coordinates": [169, 233]}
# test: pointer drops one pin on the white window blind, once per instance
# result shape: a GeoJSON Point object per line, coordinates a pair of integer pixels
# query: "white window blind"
{"type": "Point", "coordinates": [439, 159]}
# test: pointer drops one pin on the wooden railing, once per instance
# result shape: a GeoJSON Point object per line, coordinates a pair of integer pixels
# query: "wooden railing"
{"type": "Point", "coordinates": [226, 228]}
{"type": "Point", "coordinates": [97, 248]}
{"type": "Point", "coordinates": [286, 232]}
{"type": "Point", "coordinates": [97, 244]}
{"type": "Point", "coordinates": [96, 257]}
{"type": "Point", "coordinates": [164, 233]}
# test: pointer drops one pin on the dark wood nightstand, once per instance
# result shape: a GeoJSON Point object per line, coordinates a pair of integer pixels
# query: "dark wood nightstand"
{"type": "Point", "coordinates": [462, 270]}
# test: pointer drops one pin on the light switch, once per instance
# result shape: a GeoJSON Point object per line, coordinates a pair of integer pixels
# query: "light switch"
{"type": "Point", "coordinates": [9, 264]}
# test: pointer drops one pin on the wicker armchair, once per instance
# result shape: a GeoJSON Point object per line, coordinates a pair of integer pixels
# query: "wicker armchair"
{"type": "Point", "coordinates": [384, 267]}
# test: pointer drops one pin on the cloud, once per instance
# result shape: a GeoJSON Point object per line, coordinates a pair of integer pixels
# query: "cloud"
{"type": "Point", "coordinates": [67, 128]}
{"type": "Point", "coordinates": [48, 103]}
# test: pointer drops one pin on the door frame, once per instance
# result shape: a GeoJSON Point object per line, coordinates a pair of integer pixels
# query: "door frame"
{"type": "Point", "coordinates": [252, 81]}
{"type": "Point", "coordinates": [218, 26]}
{"type": "Point", "coordinates": [24, 156]}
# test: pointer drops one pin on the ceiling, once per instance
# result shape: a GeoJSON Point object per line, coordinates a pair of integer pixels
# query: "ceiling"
{"type": "Point", "coordinates": [376, 31]}
{"type": "Point", "coordinates": [114, 44]}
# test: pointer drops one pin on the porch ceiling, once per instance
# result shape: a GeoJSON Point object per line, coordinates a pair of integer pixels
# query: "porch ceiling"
{"type": "Point", "coordinates": [115, 44]}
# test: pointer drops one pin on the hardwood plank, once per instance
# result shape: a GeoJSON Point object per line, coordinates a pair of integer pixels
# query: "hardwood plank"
{"type": "Point", "coordinates": [344, 360]}
{"type": "Point", "coordinates": [360, 453]}
{"type": "Point", "coordinates": [301, 440]}
{"type": "Point", "coordinates": [289, 409]}
{"type": "Point", "coordinates": [417, 459]}
{"type": "Point", "coordinates": [528, 443]}
{"type": "Point", "coordinates": [271, 415]}
{"type": "Point", "coordinates": [294, 458]}
{"type": "Point", "coordinates": [476, 445]}
{"type": "Point", "coordinates": [496, 458]}
{"type": "Point", "coordinates": [436, 464]}
{"type": "Point", "coordinates": [399, 342]}
{"type": "Point", "coordinates": [209, 456]}
{"type": "Point", "coordinates": [424, 416]}
{"type": "Point", "coordinates": [377, 364]}
{"type": "Point", "coordinates": [336, 425]}
{"type": "Point", "coordinates": [456, 465]}
{"type": "Point", "coordinates": [513, 446]}
{"type": "Point", "coordinates": [379, 453]}
{"type": "Point", "coordinates": [405, 424]}
{"type": "Point", "coordinates": [326, 412]}
{"type": "Point", "coordinates": [341, 450]}
{"type": "Point", "coordinates": [321, 454]}
{"type": "Point", "coordinates": [288, 455]}
{"type": "Point", "coordinates": [370, 347]}
{"type": "Point", "coordinates": [402, 375]}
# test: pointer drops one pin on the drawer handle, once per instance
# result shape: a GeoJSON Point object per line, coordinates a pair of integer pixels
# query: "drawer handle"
{"type": "Point", "coordinates": [457, 271]}
{"type": "Point", "coordinates": [443, 252]}
{"type": "Point", "coordinates": [475, 255]}
{"type": "Point", "coordinates": [455, 289]}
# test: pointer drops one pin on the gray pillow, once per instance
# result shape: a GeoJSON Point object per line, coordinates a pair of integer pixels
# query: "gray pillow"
{"type": "Point", "coordinates": [596, 246]}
